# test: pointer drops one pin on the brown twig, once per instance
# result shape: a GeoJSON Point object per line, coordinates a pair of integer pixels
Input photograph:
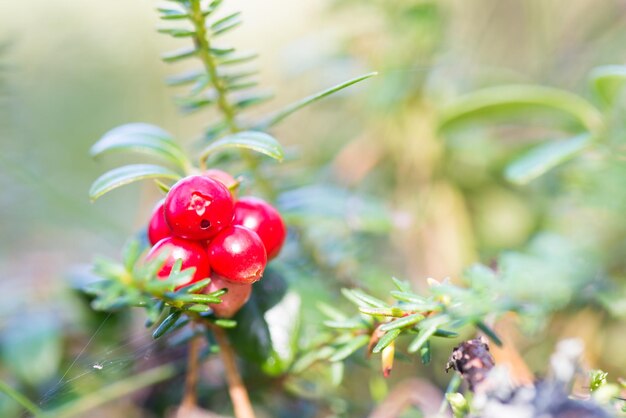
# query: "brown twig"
{"type": "Point", "coordinates": [191, 379]}
{"type": "Point", "coordinates": [236, 388]}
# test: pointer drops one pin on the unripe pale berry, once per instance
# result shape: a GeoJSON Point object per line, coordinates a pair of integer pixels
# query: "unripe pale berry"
{"type": "Point", "coordinates": [192, 254]}
{"type": "Point", "coordinates": [158, 227]}
{"type": "Point", "coordinates": [198, 207]}
{"type": "Point", "coordinates": [262, 218]}
{"type": "Point", "coordinates": [237, 296]}
{"type": "Point", "coordinates": [237, 254]}
{"type": "Point", "coordinates": [222, 176]}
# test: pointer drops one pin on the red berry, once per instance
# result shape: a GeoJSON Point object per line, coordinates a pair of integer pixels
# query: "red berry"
{"type": "Point", "coordinates": [192, 254]}
{"type": "Point", "coordinates": [222, 176]}
{"type": "Point", "coordinates": [198, 207]}
{"type": "Point", "coordinates": [237, 296]}
{"type": "Point", "coordinates": [158, 228]}
{"type": "Point", "coordinates": [262, 218]}
{"type": "Point", "coordinates": [238, 255]}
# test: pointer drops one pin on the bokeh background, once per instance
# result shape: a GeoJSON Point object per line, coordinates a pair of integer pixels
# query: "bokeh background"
{"type": "Point", "coordinates": [71, 70]}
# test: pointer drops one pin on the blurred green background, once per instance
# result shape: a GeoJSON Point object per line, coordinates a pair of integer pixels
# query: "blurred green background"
{"type": "Point", "coordinates": [70, 71]}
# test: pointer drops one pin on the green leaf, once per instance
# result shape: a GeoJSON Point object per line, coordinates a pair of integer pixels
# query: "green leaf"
{"type": "Point", "coordinates": [519, 99]}
{"type": "Point", "coordinates": [425, 352]}
{"type": "Point", "coordinates": [385, 340]}
{"type": "Point", "coordinates": [422, 337]}
{"type": "Point", "coordinates": [349, 348]}
{"type": "Point", "coordinates": [489, 333]}
{"type": "Point", "coordinates": [166, 325]}
{"type": "Point", "coordinates": [250, 140]}
{"type": "Point", "coordinates": [403, 286]}
{"type": "Point", "coordinates": [226, 23]}
{"type": "Point", "coordinates": [279, 116]}
{"type": "Point", "coordinates": [193, 298]}
{"type": "Point", "coordinates": [544, 157]}
{"type": "Point", "coordinates": [608, 82]}
{"type": "Point", "coordinates": [249, 100]}
{"type": "Point", "coordinates": [350, 324]}
{"type": "Point", "coordinates": [177, 32]}
{"type": "Point", "coordinates": [331, 312]}
{"type": "Point", "coordinates": [225, 323]}
{"type": "Point", "coordinates": [187, 77]}
{"type": "Point", "coordinates": [172, 14]}
{"type": "Point", "coordinates": [179, 54]}
{"type": "Point", "coordinates": [128, 174]}
{"type": "Point", "coordinates": [404, 322]}
{"type": "Point", "coordinates": [236, 58]}
{"type": "Point", "coordinates": [362, 299]}
{"type": "Point", "coordinates": [144, 138]}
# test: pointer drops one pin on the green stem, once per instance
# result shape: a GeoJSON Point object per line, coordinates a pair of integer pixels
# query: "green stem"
{"type": "Point", "coordinates": [20, 399]}
{"type": "Point", "coordinates": [203, 45]}
{"type": "Point", "coordinates": [115, 391]}
{"type": "Point", "coordinates": [453, 386]}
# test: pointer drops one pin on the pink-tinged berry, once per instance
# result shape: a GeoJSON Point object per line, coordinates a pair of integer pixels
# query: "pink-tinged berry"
{"type": "Point", "coordinates": [198, 207]}
{"type": "Point", "coordinates": [223, 177]}
{"type": "Point", "coordinates": [237, 296]}
{"type": "Point", "coordinates": [262, 218]}
{"type": "Point", "coordinates": [238, 254]}
{"type": "Point", "coordinates": [192, 254]}
{"type": "Point", "coordinates": [158, 227]}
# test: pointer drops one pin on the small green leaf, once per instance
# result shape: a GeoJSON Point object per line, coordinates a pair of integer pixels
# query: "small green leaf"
{"type": "Point", "coordinates": [445, 333]}
{"type": "Point", "coordinates": [489, 333]}
{"type": "Point", "coordinates": [544, 157]}
{"type": "Point", "coordinates": [331, 312]}
{"type": "Point", "coordinates": [249, 100]}
{"type": "Point", "coordinates": [424, 334]}
{"type": "Point", "coordinates": [199, 308]}
{"type": "Point", "coordinates": [179, 54]}
{"type": "Point", "coordinates": [294, 107]}
{"type": "Point", "coordinates": [408, 297]}
{"type": "Point", "coordinates": [165, 326]}
{"type": "Point", "coordinates": [608, 82]}
{"type": "Point", "coordinates": [349, 348]}
{"type": "Point", "coordinates": [226, 23]}
{"type": "Point", "coordinates": [337, 370]}
{"type": "Point", "coordinates": [195, 287]}
{"type": "Point", "coordinates": [403, 286]}
{"type": "Point", "coordinates": [128, 174]}
{"type": "Point", "coordinates": [519, 99]}
{"type": "Point", "coordinates": [144, 138]}
{"type": "Point", "coordinates": [393, 312]}
{"type": "Point", "coordinates": [193, 298]}
{"type": "Point", "coordinates": [403, 322]}
{"type": "Point", "coordinates": [350, 324]}
{"type": "Point", "coordinates": [362, 299]}
{"type": "Point", "coordinates": [236, 58]}
{"type": "Point", "coordinates": [386, 339]}
{"type": "Point", "coordinates": [172, 14]}
{"type": "Point", "coordinates": [225, 323]}
{"type": "Point", "coordinates": [251, 140]}
{"type": "Point", "coordinates": [177, 32]}
{"type": "Point", "coordinates": [187, 77]}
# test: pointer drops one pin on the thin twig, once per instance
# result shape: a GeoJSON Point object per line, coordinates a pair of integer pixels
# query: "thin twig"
{"type": "Point", "coordinates": [236, 388]}
{"type": "Point", "coordinates": [191, 379]}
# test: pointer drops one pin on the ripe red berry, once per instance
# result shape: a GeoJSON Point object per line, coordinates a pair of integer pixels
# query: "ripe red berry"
{"type": "Point", "coordinates": [222, 176]}
{"type": "Point", "coordinates": [192, 254]}
{"type": "Point", "coordinates": [237, 296]}
{"type": "Point", "coordinates": [238, 255]}
{"type": "Point", "coordinates": [158, 227]}
{"type": "Point", "coordinates": [262, 218]}
{"type": "Point", "coordinates": [198, 207]}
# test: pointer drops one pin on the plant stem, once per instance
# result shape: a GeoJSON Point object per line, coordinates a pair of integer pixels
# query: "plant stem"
{"type": "Point", "coordinates": [20, 399]}
{"type": "Point", "coordinates": [191, 379]}
{"type": "Point", "coordinates": [203, 45]}
{"type": "Point", "coordinates": [236, 388]}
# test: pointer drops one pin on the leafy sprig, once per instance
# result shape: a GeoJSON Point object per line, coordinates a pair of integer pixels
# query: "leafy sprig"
{"type": "Point", "coordinates": [220, 83]}
{"type": "Point", "coordinates": [170, 303]}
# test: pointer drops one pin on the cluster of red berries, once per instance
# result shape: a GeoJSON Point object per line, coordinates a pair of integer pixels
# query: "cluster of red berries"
{"type": "Point", "coordinates": [229, 240]}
